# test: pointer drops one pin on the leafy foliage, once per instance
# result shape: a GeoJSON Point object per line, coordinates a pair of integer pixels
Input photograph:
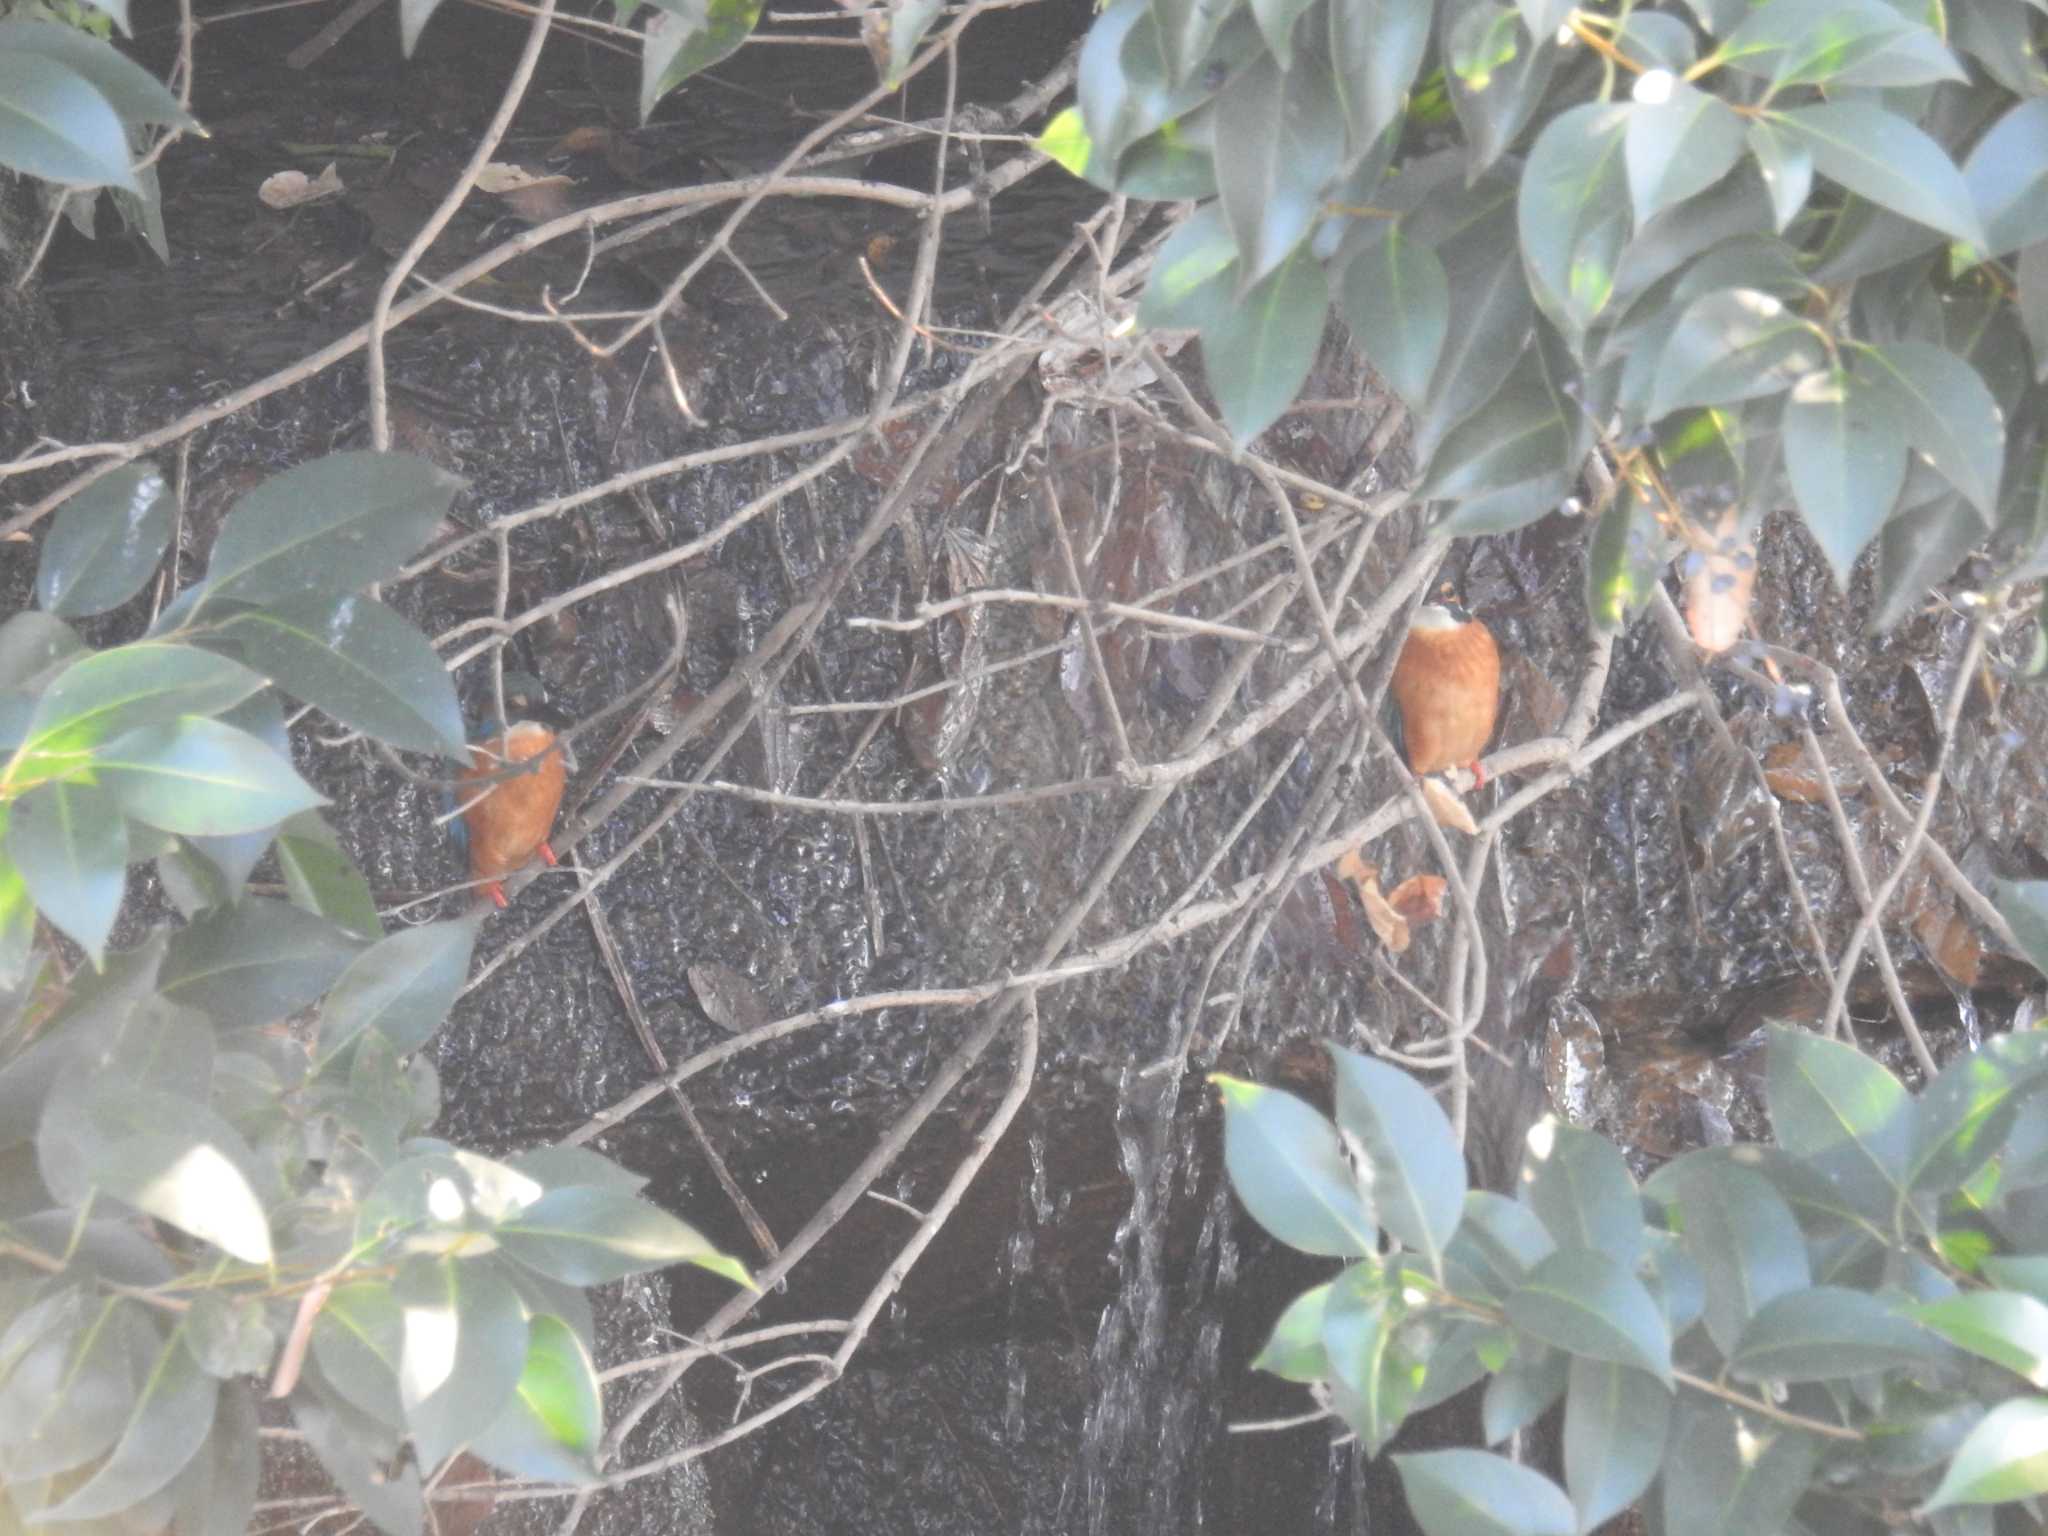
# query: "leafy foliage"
{"type": "Point", "coordinates": [1788, 253]}
{"type": "Point", "coordinates": [201, 1182]}
{"type": "Point", "coordinates": [1809, 1337]}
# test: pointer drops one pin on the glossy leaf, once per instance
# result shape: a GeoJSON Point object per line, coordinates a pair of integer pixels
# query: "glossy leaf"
{"type": "Point", "coordinates": [1881, 156]}
{"type": "Point", "coordinates": [556, 1166]}
{"type": "Point", "coordinates": [229, 1337]}
{"type": "Point", "coordinates": [33, 644]}
{"type": "Point", "coordinates": [1257, 355]}
{"type": "Point", "coordinates": [1524, 434]}
{"type": "Point", "coordinates": [413, 16]}
{"type": "Point", "coordinates": [1787, 170]}
{"type": "Point", "coordinates": [1414, 1168]}
{"type": "Point", "coordinates": [151, 682]}
{"type": "Point", "coordinates": [1289, 1170]}
{"type": "Point", "coordinates": [1966, 1113]}
{"type": "Point", "coordinates": [1848, 1117]}
{"type": "Point", "coordinates": [1844, 452]}
{"type": "Point", "coordinates": [56, 125]}
{"type": "Point", "coordinates": [1496, 75]}
{"type": "Point", "coordinates": [160, 1152]}
{"type": "Point", "coordinates": [551, 1427]}
{"type": "Point", "coordinates": [1361, 1320]}
{"type": "Point", "coordinates": [2004, 1458]}
{"type": "Point", "coordinates": [1498, 1243]}
{"type": "Point", "coordinates": [169, 1424]}
{"type": "Point", "coordinates": [1680, 141]}
{"type": "Point", "coordinates": [1839, 43]}
{"type": "Point", "coordinates": [1733, 1472]}
{"type": "Point", "coordinates": [1492, 314]}
{"type": "Point", "coordinates": [254, 963]}
{"type": "Point", "coordinates": [362, 664]}
{"type": "Point", "coordinates": [17, 920]}
{"type": "Point", "coordinates": [321, 879]}
{"type": "Point", "coordinates": [1588, 1303]}
{"type": "Point", "coordinates": [1744, 1238]}
{"type": "Point", "coordinates": [71, 1381]}
{"type": "Point", "coordinates": [1276, 19]}
{"type": "Point", "coordinates": [328, 527]}
{"type": "Point", "coordinates": [216, 1493]}
{"type": "Point", "coordinates": [464, 1347]}
{"type": "Point", "coordinates": [2008, 1328]}
{"type": "Point", "coordinates": [1376, 46]}
{"type": "Point", "coordinates": [71, 847]}
{"type": "Point", "coordinates": [1279, 143]}
{"type": "Point", "coordinates": [106, 541]}
{"type": "Point", "coordinates": [1576, 1181]}
{"type": "Point", "coordinates": [1629, 551]}
{"type": "Point", "coordinates": [1918, 550]}
{"type": "Point", "coordinates": [685, 37]}
{"type": "Point", "coordinates": [1572, 212]}
{"type": "Point", "coordinates": [1732, 345]}
{"type": "Point", "coordinates": [1523, 1388]}
{"type": "Point", "coordinates": [586, 1236]}
{"type": "Point", "coordinates": [1826, 1332]}
{"type": "Point", "coordinates": [2007, 174]}
{"type": "Point", "coordinates": [357, 1455]}
{"type": "Point", "coordinates": [402, 986]}
{"type": "Point", "coordinates": [1186, 30]}
{"type": "Point", "coordinates": [261, 715]}
{"type": "Point", "coordinates": [1397, 302]}
{"type": "Point", "coordinates": [1191, 282]}
{"type": "Point", "coordinates": [199, 777]}
{"type": "Point", "coordinates": [1615, 1423]}
{"type": "Point", "coordinates": [1294, 1349]}
{"type": "Point", "coordinates": [1948, 414]}
{"type": "Point", "coordinates": [1476, 1493]}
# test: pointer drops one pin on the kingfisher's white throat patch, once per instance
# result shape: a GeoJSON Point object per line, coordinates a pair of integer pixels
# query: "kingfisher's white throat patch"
{"type": "Point", "coordinates": [1434, 616]}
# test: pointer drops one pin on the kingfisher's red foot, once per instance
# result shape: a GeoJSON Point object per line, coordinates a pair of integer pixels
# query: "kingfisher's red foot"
{"type": "Point", "coordinates": [497, 894]}
{"type": "Point", "coordinates": [547, 854]}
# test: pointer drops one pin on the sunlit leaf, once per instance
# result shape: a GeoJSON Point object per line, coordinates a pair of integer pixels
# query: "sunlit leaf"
{"type": "Point", "coordinates": [1845, 1115]}
{"type": "Point", "coordinates": [2006, 1327]}
{"type": "Point", "coordinates": [586, 1236]}
{"type": "Point", "coordinates": [105, 542]}
{"type": "Point", "coordinates": [1288, 1168]}
{"type": "Point", "coordinates": [1294, 1350]}
{"type": "Point", "coordinates": [1678, 144]}
{"type": "Point", "coordinates": [1577, 1182]}
{"type": "Point", "coordinates": [1881, 156]}
{"type": "Point", "coordinates": [2004, 1458]}
{"type": "Point", "coordinates": [1733, 1472]}
{"type": "Point", "coordinates": [1588, 1303]}
{"type": "Point", "coordinates": [151, 682]}
{"type": "Point", "coordinates": [1414, 1167]}
{"type": "Point", "coordinates": [70, 844]}
{"type": "Point", "coordinates": [551, 1427]}
{"type": "Point", "coordinates": [200, 777]}
{"type": "Point", "coordinates": [686, 36]}
{"type": "Point", "coordinates": [1476, 1493]}
{"type": "Point", "coordinates": [465, 1343]}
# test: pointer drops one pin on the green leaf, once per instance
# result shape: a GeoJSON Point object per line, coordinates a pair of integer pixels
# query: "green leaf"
{"type": "Point", "coordinates": [1498, 1243]}
{"type": "Point", "coordinates": [1397, 302]}
{"type": "Point", "coordinates": [1615, 1424]}
{"type": "Point", "coordinates": [199, 777]}
{"type": "Point", "coordinates": [1288, 1168]}
{"type": "Point", "coordinates": [172, 1416]}
{"type": "Point", "coordinates": [1588, 1303]}
{"type": "Point", "coordinates": [1257, 356]}
{"type": "Point", "coordinates": [328, 528]}
{"type": "Point", "coordinates": [465, 1343]}
{"type": "Point", "coordinates": [2008, 1328]}
{"type": "Point", "coordinates": [1066, 141]}
{"type": "Point", "coordinates": [1376, 46]}
{"type": "Point", "coordinates": [137, 97]}
{"type": "Point", "coordinates": [1919, 549]}
{"type": "Point", "coordinates": [1191, 281]}
{"type": "Point", "coordinates": [356, 1454]}
{"type": "Point", "coordinates": [1837, 43]}
{"type": "Point", "coordinates": [320, 879]}
{"type": "Point", "coordinates": [229, 1336]}
{"type": "Point", "coordinates": [254, 963]}
{"type": "Point", "coordinates": [1966, 1113]}
{"type": "Point", "coordinates": [1826, 1332]}
{"type": "Point", "coordinates": [1848, 1117]}
{"type": "Point", "coordinates": [551, 1427]}
{"type": "Point", "coordinates": [1731, 345]}
{"type": "Point", "coordinates": [1881, 156]}
{"type": "Point", "coordinates": [1744, 1238]}
{"type": "Point", "coordinates": [586, 1236]}
{"type": "Point", "coordinates": [1578, 1184]}
{"type": "Point", "coordinates": [1524, 435]}
{"type": "Point", "coordinates": [1677, 146]}
{"type": "Point", "coordinates": [1186, 30]}
{"type": "Point", "coordinates": [1294, 1350]}
{"type": "Point", "coordinates": [1572, 212]}
{"type": "Point", "coordinates": [1276, 19]}
{"type": "Point", "coordinates": [163, 1154]}
{"type": "Point", "coordinates": [402, 986]}
{"type": "Point", "coordinates": [686, 36]}
{"type": "Point", "coordinates": [413, 16]}
{"type": "Point", "coordinates": [555, 1166]}
{"type": "Point", "coordinates": [1361, 1323]}
{"type": "Point", "coordinates": [1491, 318]}
{"type": "Point", "coordinates": [362, 664]}
{"type": "Point", "coordinates": [2007, 174]}
{"type": "Point", "coordinates": [69, 1379]}
{"type": "Point", "coordinates": [1279, 144]}
{"type": "Point", "coordinates": [1734, 1472]}
{"type": "Point", "coordinates": [1948, 414]}
{"type": "Point", "coordinates": [1629, 552]}
{"type": "Point", "coordinates": [1787, 170]}
{"type": "Point", "coordinates": [262, 716]}
{"type": "Point", "coordinates": [17, 920]}
{"type": "Point", "coordinates": [33, 644]}
{"type": "Point", "coordinates": [1843, 445]}
{"type": "Point", "coordinates": [1414, 1171]}
{"type": "Point", "coordinates": [908, 22]}
{"type": "Point", "coordinates": [56, 125]}
{"type": "Point", "coordinates": [1522, 1389]}
{"type": "Point", "coordinates": [106, 541]}
{"type": "Point", "coordinates": [216, 1493]}
{"type": "Point", "coordinates": [1476, 1493]}
{"type": "Point", "coordinates": [106, 693]}
{"type": "Point", "coordinates": [71, 847]}
{"type": "Point", "coordinates": [1496, 77]}
{"type": "Point", "coordinates": [2004, 1458]}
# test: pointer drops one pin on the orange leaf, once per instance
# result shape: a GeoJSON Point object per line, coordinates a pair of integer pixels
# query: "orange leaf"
{"type": "Point", "coordinates": [1420, 898]}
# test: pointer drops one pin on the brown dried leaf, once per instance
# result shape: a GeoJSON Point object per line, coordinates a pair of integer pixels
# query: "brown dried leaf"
{"type": "Point", "coordinates": [1352, 867]}
{"type": "Point", "coordinates": [1790, 776]}
{"type": "Point", "coordinates": [1447, 808]}
{"type": "Point", "coordinates": [288, 189]}
{"type": "Point", "coordinates": [590, 139]}
{"type": "Point", "coordinates": [1390, 925]}
{"type": "Point", "coordinates": [1419, 898]}
{"type": "Point", "coordinates": [728, 999]}
{"type": "Point", "coordinates": [1951, 943]}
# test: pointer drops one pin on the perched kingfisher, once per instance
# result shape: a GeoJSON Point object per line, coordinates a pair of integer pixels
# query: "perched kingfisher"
{"type": "Point", "coordinates": [1447, 685]}
{"type": "Point", "coordinates": [509, 821]}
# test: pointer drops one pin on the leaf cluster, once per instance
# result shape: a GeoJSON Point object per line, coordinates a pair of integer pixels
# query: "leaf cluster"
{"type": "Point", "coordinates": [213, 1153]}
{"type": "Point", "coordinates": [1791, 253]}
{"type": "Point", "coordinates": [1822, 1335]}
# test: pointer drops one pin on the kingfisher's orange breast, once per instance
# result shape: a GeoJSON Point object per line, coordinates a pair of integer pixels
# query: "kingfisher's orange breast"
{"type": "Point", "coordinates": [510, 822]}
{"type": "Point", "coordinates": [1447, 685]}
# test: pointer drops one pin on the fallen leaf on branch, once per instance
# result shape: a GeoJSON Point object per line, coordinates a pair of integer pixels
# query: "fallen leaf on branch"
{"type": "Point", "coordinates": [728, 999]}
{"type": "Point", "coordinates": [1352, 867]}
{"type": "Point", "coordinates": [535, 199]}
{"type": "Point", "coordinates": [1390, 925]}
{"type": "Point", "coordinates": [1786, 771]}
{"type": "Point", "coordinates": [289, 189]}
{"type": "Point", "coordinates": [1447, 808]}
{"type": "Point", "coordinates": [1419, 898]}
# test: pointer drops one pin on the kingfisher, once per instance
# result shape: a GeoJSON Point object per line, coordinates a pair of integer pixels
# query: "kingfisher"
{"type": "Point", "coordinates": [1447, 686]}
{"type": "Point", "coordinates": [509, 821]}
